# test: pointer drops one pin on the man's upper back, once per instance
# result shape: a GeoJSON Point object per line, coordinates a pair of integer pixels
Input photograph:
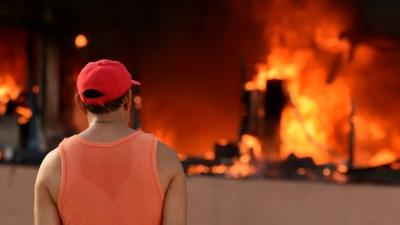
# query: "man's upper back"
{"type": "Point", "coordinates": [131, 173]}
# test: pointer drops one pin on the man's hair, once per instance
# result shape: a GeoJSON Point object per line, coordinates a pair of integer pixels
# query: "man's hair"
{"type": "Point", "coordinates": [108, 107]}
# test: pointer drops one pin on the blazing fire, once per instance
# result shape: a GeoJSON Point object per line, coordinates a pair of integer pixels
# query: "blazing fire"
{"type": "Point", "coordinates": [10, 91]}
{"type": "Point", "coordinates": [314, 60]}
{"type": "Point", "coordinates": [244, 165]}
{"type": "Point", "coordinates": [250, 151]}
{"type": "Point", "coordinates": [325, 119]}
{"type": "Point", "coordinates": [304, 56]}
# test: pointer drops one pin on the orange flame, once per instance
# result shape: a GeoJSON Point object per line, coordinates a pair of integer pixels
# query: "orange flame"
{"type": "Point", "coordinates": [24, 113]}
{"type": "Point", "coordinates": [198, 169]}
{"type": "Point", "coordinates": [250, 151]}
{"type": "Point", "coordinates": [384, 156]}
{"type": "Point", "coordinates": [243, 166]}
{"type": "Point", "coordinates": [250, 143]}
{"type": "Point", "coordinates": [9, 90]}
{"type": "Point", "coordinates": [319, 67]}
{"type": "Point", "coordinates": [311, 59]}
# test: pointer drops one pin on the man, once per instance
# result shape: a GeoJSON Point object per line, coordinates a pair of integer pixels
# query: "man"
{"type": "Point", "coordinates": [109, 174]}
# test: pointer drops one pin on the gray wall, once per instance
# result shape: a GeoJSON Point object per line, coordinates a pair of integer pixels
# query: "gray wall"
{"type": "Point", "coordinates": [216, 201]}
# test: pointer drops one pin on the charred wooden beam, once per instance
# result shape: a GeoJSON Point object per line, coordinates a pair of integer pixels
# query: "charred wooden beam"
{"type": "Point", "coordinates": [351, 136]}
{"type": "Point", "coordinates": [224, 153]}
{"type": "Point", "coordinates": [274, 103]}
{"type": "Point", "coordinates": [251, 104]}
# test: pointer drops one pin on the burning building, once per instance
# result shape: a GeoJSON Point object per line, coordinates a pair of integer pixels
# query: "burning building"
{"type": "Point", "coordinates": [41, 54]}
{"type": "Point", "coordinates": [29, 82]}
{"type": "Point", "coordinates": [19, 97]}
{"type": "Point", "coordinates": [322, 98]}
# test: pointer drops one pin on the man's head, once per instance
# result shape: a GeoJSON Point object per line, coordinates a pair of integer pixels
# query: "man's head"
{"type": "Point", "coordinates": [104, 87]}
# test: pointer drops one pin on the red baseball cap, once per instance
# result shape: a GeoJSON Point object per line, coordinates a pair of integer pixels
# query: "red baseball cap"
{"type": "Point", "coordinates": [108, 77]}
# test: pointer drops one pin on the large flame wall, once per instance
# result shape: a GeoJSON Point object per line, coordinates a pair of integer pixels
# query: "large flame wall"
{"type": "Point", "coordinates": [328, 75]}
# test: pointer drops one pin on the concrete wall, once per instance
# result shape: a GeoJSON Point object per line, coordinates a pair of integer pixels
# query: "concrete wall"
{"type": "Point", "coordinates": [238, 202]}
{"type": "Point", "coordinates": [16, 195]}
{"type": "Point", "coordinates": [216, 201]}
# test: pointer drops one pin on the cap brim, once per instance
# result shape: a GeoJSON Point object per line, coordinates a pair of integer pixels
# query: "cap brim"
{"type": "Point", "coordinates": [134, 82]}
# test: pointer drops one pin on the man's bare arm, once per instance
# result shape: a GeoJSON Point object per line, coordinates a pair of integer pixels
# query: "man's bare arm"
{"type": "Point", "coordinates": [175, 200]}
{"type": "Point", "coordinates": [45, 207]}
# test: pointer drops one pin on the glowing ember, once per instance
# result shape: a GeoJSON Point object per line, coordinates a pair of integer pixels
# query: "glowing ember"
{"type": "Point", "coordinates": [24, 113]}
{"type": "Point", "coordinates": [198, 169]}
{"type": "Point", "coordinates": [250, 151]}
{"type": "Point", "coordinates": [342, 168]}
{"type": "Point", "coordinates": [243, 166]}
{"type": "Point", "coordinates": [326, 172]}
{"type": "Point", "coordinates": [220, 169]}
{"type": "Point", "coordinates": [250, 145]}
{"type": "Point", "coordinates": [301, 171]}
{"type": "Point", "coordinates": [241, 169]}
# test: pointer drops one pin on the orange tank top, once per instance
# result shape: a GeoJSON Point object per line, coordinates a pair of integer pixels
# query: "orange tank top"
{"type": "Point", "coordinates": [113, 183]}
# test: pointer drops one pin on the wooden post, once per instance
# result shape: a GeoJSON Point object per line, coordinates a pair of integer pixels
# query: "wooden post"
{"type": "Point", "coordinates": [274, 103]}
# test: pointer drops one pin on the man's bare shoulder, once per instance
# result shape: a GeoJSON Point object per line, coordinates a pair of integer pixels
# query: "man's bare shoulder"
{"type": "Point", "coordinates": [167, 158]}
{"type": "Point", "coordinates": [51, 162]}
{"type": "Point", "coordinates": [49, 173]}
{"type": "Point", "coordinates": [169, 166]}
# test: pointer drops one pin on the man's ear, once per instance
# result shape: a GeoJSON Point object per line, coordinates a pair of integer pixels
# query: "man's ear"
{"type": "Point", "coordinates": [79, 103]}
{"type": "Point", "coordinates": [127, 101]}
